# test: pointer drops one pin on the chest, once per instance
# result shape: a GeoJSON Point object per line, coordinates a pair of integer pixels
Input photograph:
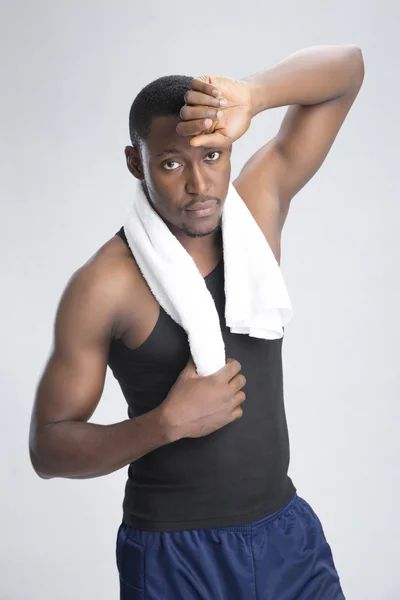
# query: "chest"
{"type": "Point", "coordinates": [147, 372]}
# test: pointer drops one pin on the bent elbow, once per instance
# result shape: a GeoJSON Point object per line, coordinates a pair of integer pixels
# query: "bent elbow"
{"type": "Point", "coordinates": [38, 465]}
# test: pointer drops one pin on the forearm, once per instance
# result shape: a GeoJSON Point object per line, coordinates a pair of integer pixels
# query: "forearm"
{"type": "Point", "coordinates": [309, 76]}
{"type": "Point", "coordinates": [80, 450]}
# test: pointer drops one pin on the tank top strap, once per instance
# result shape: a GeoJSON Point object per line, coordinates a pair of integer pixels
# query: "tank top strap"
{"type": "Point", "coordinates": [121, 234]}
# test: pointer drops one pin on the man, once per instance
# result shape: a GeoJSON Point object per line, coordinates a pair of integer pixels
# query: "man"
{"type": "Point", "coordinates": [209, 510]}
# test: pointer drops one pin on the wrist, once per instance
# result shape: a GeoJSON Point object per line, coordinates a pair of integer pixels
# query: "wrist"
{"type": "Point", "coordinates": [168, 432]}
{"type": "Point", "coordinates": [258, 99]}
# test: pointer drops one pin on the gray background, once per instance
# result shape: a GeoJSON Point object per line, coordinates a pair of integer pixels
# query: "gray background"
{"type": "Point", "coordinates": [70, 71]}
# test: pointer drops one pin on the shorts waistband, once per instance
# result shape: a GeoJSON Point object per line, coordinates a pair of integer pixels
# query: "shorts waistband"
{"type": "Point", "coordinates": [256, 525]}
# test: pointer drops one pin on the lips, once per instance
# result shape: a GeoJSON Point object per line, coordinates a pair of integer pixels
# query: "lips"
{"type": "Point", "coordinates": [202, 209]}
{"type": "Point", "coordinates": [202, 205]}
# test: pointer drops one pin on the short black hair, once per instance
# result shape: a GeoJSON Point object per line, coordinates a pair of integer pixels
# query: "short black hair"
{"type": "Point", "coordinates": [163, 96]}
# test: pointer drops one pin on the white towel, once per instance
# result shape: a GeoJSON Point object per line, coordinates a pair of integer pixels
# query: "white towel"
{"type": "Point", "coordinates": [257, 301]}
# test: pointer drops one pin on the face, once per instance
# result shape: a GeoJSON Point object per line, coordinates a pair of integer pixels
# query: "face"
{"type": "Point", "coordinates": [186, 186]}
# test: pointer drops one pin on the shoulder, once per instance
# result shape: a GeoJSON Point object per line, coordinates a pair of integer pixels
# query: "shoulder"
{"type": "Point", "coordinates": [97, 292]}
{"type": "Point", "coordinates": [109, 271]}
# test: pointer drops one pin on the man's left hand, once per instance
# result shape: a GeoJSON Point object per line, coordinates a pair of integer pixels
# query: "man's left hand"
{"type": "Point", "coordinates": [226, 122]}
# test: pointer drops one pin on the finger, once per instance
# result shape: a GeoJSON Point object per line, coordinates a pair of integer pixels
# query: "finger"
{"type": "Point", "coordinates": [200, 99]}
{"type": "Point", "coordinates": [236, 384]}
{"type": "Point", "coordinates": [237, 413]}
{"type": "Point", "coordinates": [193, 127]}
{"type": "Point", "coordinates": [192, 113]}
{"type": "Point", "coordinates": [190, 364]}
{"type": "Point", "coordinates": [239, 398]}
{"type": "Point", "coordinates": [210, 139]}
{"type": "Point", "coordinates": [190, 368]}
{"type": "Point", "coordinates": [199, 85]}
{"type": "Point", "coordinates": [228, 372]}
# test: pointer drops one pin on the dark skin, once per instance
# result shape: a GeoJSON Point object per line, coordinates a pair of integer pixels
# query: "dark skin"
{"type": "Point", "coordinates": [108, 296]}
{"type": "Point", "coordinates": [207, 175]}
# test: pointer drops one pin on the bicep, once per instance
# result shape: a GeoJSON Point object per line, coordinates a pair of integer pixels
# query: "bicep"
{"type": "Point", "coordinates": [73, 379]}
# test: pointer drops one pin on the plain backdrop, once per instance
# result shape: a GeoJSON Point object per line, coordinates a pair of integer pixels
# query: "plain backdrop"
{"type": "Point", "coordinates": [70, 71]}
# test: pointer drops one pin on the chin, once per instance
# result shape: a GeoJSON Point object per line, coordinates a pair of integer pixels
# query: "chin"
{"type": "Point", "coordinates": [201, 230]}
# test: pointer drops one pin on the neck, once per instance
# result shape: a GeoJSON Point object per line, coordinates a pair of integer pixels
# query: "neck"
{"type": "Point", "coordinates": [206, 251]}
{"type": "Point", "coordinates": [207, 247]}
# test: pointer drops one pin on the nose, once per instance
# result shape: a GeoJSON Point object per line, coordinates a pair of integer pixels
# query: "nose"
{"type": "Point", "coordinates": [197, 182]}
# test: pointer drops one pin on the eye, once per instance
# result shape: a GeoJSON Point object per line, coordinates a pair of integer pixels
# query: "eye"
{"type": "Point", "coordinates": [170, 162]}
{"type": "Point", "coordinates": [166, 164]}
{"type": "Point", "coordinates": [215, 152]}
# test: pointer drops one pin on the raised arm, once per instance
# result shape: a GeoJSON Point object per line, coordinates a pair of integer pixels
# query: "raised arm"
{"type": "Point", "coordinates": [319, 84]}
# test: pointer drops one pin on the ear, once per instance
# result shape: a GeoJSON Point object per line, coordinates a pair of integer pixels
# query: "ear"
{"type": "Point", "coordinates": [134, 162]}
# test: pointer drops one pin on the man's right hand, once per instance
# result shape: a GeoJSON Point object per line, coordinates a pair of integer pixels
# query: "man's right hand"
{"type": "Point", "coordinates": [197, 406]}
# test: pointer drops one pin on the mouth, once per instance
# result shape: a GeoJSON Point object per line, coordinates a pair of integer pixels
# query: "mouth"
{"type": "Point", "coordinates": [202, 209]}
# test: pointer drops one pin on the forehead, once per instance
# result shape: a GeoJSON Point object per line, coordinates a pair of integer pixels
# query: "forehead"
{"type": "Point", "coordinates": [163, 135]}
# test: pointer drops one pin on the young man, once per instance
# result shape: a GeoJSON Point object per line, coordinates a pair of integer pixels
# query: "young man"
{"type": "Point", "coordinates": [209, 510]}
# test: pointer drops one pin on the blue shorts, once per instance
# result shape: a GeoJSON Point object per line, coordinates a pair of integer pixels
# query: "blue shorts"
{"type": "Point", "coordinates": [284, 556]}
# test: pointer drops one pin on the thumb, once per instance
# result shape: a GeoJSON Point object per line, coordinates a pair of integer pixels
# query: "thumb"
{"type": "Point", "coordinates": [190, 368]}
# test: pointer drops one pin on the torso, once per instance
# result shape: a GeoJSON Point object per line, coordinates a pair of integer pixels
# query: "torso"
{"type": "Point", "coordinates": [234, 475]}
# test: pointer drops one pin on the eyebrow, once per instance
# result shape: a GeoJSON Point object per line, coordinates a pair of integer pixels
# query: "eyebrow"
{"type": "Point", "coordinates": [176, 151]}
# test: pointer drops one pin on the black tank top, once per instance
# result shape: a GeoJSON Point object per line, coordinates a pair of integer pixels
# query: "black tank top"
{"type": "Point", "coordinates": [235, 475]}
